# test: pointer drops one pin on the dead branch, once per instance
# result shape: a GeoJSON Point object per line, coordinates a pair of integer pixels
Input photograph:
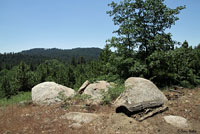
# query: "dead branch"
{"type": "Point", "coordinates": [156, 111]}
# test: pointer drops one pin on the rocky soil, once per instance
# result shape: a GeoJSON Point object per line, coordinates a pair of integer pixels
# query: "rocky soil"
{"type": "Point", "coordinates": [35, 119]}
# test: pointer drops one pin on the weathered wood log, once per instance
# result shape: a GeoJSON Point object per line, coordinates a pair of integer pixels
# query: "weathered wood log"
{"type": "Point", "coordinates": [178, 87]}
{"type": "Point", "coordinates": [131, 109]}
{"type": "Point", "coordinates": [172, 90]}
{"type": "Point", "coordinates": [143, 105]}
{"type": "Point", "coordinates": [155, 111]}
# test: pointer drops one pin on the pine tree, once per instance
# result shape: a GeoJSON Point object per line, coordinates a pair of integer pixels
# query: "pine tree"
{"type": "Point", "coordinates": [23, 77]}
{"type": "Point", "coordinates": [185, 44]}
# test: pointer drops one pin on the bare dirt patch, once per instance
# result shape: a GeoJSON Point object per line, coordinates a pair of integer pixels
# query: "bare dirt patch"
{"type": "Point", "coordinates": [34, 119]}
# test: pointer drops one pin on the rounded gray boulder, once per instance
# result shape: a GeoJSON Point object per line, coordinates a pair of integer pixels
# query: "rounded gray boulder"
{"type": "Point", "coordinates": [140, 93]}
{"type": "Point", "coordinates": [49, 93]}
{"type": "Point", "coordinates": [96, 91]}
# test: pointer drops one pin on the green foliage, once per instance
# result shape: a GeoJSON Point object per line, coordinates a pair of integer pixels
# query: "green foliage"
{"type": "Point", "coordinates": [67, 102]}
{"type": "Point", "coordinates": [19, 78]}
{"type": "Point", "coordinates": [6, 90]}
{"type": "Point", "coordinates": [159, 68]}
{"type": "Point", "coordinates": [106, 98]}
{"type": "Point", "coordinates": [116, 91]}
{"type": "Point", "coordinates": [54, 70]}
{"type": "Point", "coordinates": [141, 46]}
{"type": "Point", "coordinates": [177, 67]}
{"type": "Point", "coordinates": [198, 46]}
{"type": "Point", "coordinates": [142, 24]}
{"type": "Point", "coordinates": [113, 93]}
{"type": "Point", "coordinates": [23, 96]}
{"type": "Point", "coordinates": [165, 68]}
{"type": "Point", "coordinates": [120, 64]}
{"type": "Point", "coordinates": [139, 69]}
{"type": "Point", "coordinates": [185, 44]}
{"type": "Point", "coordinates": [65, 55]}
{"type": "Point", "coordinates": [8, 83]}
{"type": "Point", "coordinates": [34, 57]}
{"type": "Point", "coordinates": [26, 79]}
{"type": "Point", "coordinates": [81, 97]}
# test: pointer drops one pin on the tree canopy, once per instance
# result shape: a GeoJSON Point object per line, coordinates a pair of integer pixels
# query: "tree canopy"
{"type": "Point", "coordinates": [142, 25]}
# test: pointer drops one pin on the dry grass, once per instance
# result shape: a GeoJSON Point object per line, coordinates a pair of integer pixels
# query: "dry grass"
{"type": "Point", "coordinates": [33, 119]}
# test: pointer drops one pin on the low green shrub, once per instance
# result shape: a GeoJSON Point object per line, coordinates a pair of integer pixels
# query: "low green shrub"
{"type": "Point", "coordinates": [23, 96]}
{"type": "Point", "coordinates": [113, 93]}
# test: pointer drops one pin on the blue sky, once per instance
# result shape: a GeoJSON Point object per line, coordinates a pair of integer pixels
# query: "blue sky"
{"type": "Point", "coordinates": [67, 24]}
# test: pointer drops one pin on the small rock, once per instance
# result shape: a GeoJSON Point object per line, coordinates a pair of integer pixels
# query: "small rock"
{"type": "Point", "coordinates": [82, 88]}
{"type": "Point", "coordinates": [7, 132]}
{"type": "Point", "coordinates": [26, 115]}
{"type": "Point", "coordinates": [80, 117]}
{"type": "Point", "coordinates": [75, 125]}
{"type": "Point", "coordinates": [177, 121]}
{"type": "Point", "coordinates": [24, 103]}
{"type": "Point", "coordinates": [187, 101]}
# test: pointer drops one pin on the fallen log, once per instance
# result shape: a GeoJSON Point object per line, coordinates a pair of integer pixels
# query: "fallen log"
{"type": "Point", "coordinates": [132, 109]}
{"type": "Point", "coordinates": [155, 111]}
{"type": "Point", "coordinates": [141, 106]}
{"type": "Point", "coordinates": [173, 90]}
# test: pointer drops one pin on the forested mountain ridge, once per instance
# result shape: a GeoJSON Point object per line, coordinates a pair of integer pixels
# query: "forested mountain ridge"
{"type": "Point", "coordinates": [39, 55]}
{"type": "Point", "coordinates": [88, 53]}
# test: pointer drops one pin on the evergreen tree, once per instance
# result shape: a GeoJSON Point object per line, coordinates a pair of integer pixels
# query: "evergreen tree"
{"type": "Point", "coordinates": [185, 44]}
{"type": "Point", "coordinates": [71, 76]}
{"type": "Point", "coordinates": [8, 83]}
{"type": "Point", "coordinates": [24, 77]}
{"type": "Point", "coordinates": [5, 88]}
{"type": "Point", "coordinates": [198, 46]}
{"type": "Point", "coordinates": [1, 67]}
{"type": "Point", "coordinates": [73, 61]}
{"type": "Point", "coordinates": [105, 54]}
{"type": "Point", "coordinates": [82, 60]}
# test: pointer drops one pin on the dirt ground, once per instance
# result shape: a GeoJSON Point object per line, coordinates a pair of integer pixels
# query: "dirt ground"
{"type": "Point", "coordinates": [34, 119]}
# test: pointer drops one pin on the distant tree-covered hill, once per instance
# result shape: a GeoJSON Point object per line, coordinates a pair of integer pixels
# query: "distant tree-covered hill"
{"type": "Point", "coordinates": [64, 54]}
{"type": "Point", "coordinates": [39, 55]}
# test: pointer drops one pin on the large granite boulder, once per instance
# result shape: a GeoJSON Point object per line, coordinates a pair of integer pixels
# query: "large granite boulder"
{"type": "Point", "coordinates": [139, 94]}
{"type": "Point", "coordinates": [50, 93]}
{"type": "Point", "coordinates": [96, 91]}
